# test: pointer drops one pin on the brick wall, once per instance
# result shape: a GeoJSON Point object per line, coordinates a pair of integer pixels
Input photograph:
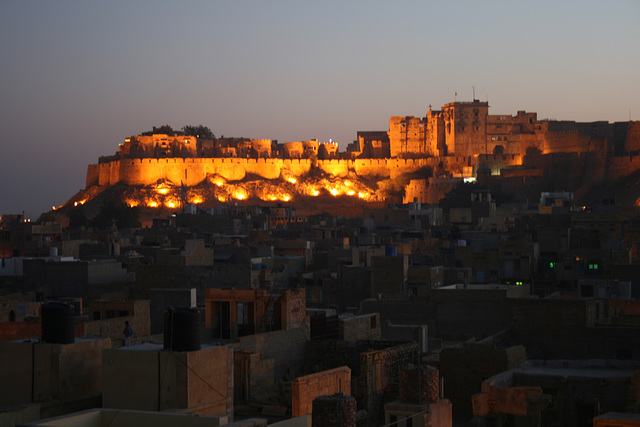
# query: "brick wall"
{"type": "Point", "coordinates": [379, 368]}
{"type": "Point", "coordinates": [41, 372]}
{"type": "Point", "coordinates": [365, 327]}
{"type": "Point", "coordinates": [112, 327]}
{"type": "Point", "coordinates": [626, 307]}
{"type": "Point", "coordinates": [254, 376]}
{"type": "Point", "coordinates": [305, 389]}
{"type": "Point", "coordinates": [335, 410]}
{"type": "Point", "coordinates": [10, 331]}
{"type": "Point", "coordinates": [419, 384]}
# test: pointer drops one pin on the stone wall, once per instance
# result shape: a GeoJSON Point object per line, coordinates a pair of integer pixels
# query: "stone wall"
{"type": "Point", "coordinates": [150, 379]}
{"type": "Point", "coordinates": [253, 376]}
{"type": "Point", "coordinates": [365, 327]}
{"type": "Point", "coordinates": [192, 171]}
{"type": "Point", "coordinates": [40, 372]}
{"type": "Point", "coordinates": [305, 389]}
{"type": "Point", "coordinates": [465, 368]}
{"type": "Point", "coordinates": [286, 347]}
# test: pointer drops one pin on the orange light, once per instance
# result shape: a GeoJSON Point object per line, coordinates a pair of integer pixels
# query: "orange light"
{"type": "Point", "coordinates": [152, 204]}
{"type": "Point", "coordinates": [334, 192]}
{"type": "Point", "coordinates": [292, 180]}
{"type": "Point", "coordinates": [351, 192]}
{"type": "Point", "coordinates": [162, 190]}
{"type": "Point", "coordinates": [170, 204]}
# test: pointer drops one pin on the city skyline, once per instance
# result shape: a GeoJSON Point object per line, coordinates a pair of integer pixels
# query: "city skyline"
{"type": "Point", "coordinates": [82, 77]}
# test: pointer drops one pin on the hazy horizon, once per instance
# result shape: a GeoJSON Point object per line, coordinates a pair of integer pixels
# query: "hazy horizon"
{"type": "Point", "coordinates": [78, 77]}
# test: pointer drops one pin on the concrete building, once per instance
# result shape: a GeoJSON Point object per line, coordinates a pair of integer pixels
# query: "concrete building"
{"type": "Point", "coordinates": [47, 379]}
{"type": "Point", "coordinates": [561, 392]}
{"type": "Point", "coordinates": [148, 377]}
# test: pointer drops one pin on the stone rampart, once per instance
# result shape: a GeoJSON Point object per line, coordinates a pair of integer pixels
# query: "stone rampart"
{"type": "Point", "coordinates": [192, 171]}
{"type": "Point", "coordinates": [623, 166]}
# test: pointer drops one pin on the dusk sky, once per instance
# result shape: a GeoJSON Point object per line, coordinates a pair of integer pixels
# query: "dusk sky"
{"type": "Point", "coordinates": [77, 77]}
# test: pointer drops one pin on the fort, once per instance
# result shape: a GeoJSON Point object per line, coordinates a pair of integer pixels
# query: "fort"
{"type": "Point", "coordinates": [451, 142]}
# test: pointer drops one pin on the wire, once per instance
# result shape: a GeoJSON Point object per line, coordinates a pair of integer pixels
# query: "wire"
{"type": "Point", "coordinates": [200, 377]}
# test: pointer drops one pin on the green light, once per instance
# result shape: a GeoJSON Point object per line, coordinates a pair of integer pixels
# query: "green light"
{"type": "Point", "coordinates": [552, 264]}
{"type": "Point", "coordinates": [519, 283]}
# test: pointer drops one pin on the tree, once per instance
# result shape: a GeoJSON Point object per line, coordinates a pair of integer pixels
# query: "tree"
{"type": "Point", "coordinates": [78, 217]}
{"type": "Point", "coordinates": [199, 131]}
{"type": "Point", "coordinates": [164, 129]}
{"type": "Point", "coordinates": [532, 157]}
{"type": "Point", "coordinates": [120, 215]}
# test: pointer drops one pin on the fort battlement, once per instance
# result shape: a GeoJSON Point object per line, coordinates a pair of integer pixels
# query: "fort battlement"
{"type": "Point", "coordinates": [192, 171]}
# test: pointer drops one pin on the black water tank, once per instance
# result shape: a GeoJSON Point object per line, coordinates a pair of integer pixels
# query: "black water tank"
{"type": "Point", "coordinates": [182, 329]}
{"type": "Point", "coordinates": [58, 323]}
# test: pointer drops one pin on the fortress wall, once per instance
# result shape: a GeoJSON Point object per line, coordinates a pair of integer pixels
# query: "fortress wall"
{"type": "Point", "coordinates": [399, 166]}
{"type": "Point", "coordinates": [108, 173]}
{"type": "Point", "coordinates": [140, 171]}
{"type": "Point", "coordinates": [296, 167]}
{"type": "Point", "coordinates": [114, 172]}
{"type": "Point", "coordinates": [632, 141]}
{"type": "Point", "coordinates": [457, 163]}
{"type": "Point", "coordinates": [93, 175]}
{"type": "Point", "coordinates": [192, 171]}
{"type": "Point", "coordinates": [371, 167]}
{"type": "Point", "coordinates": [623, 166]}
{"type": "Point", "coordinates": [266, 168]}
{"type": "Point", "coordinates": [334, 167]}
{"type": "Point", "coordinates": [231, 169]}
{"type": "Point", "coordinates": [571, 142]}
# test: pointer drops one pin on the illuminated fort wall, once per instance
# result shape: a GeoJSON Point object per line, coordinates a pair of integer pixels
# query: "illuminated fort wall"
{"type": "Point", "coordinates": [192, 171]}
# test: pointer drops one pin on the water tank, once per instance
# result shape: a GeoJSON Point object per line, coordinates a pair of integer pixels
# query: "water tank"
{"type": "Point", "coordinates": [58, 323]}
{"type": "Point", "coordinates": [336, 410]}
{"type": "Point", "coordinates": [419, 384]}
{"type": "Point", "coordinates": [181, 329]}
